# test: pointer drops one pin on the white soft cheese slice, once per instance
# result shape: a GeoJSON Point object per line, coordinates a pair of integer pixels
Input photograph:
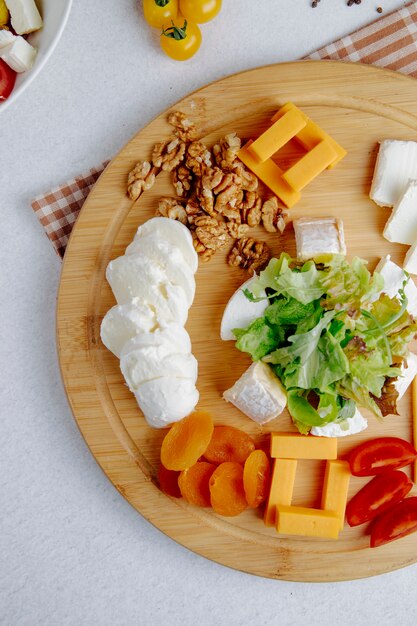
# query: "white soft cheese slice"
{"type": "Point", "coordinates": [124, 321]}
{"type": "Point", "coordinates": [174, 232]}
{"type": "Point", "coordinates": [353, 425]}
{"type": "Point", "coordinates": [410, 260]}
{"type": "Point", "coordinates": [401, 227]}
{"type": "Point", "coordinates": [394, 277]}
{"type": "Point", "coordinates": [145, 364]}
{"type": "Point", "coordinates": [19, 55]}
{"type": "Point", "coordinates": [408, 373]}
{"type": "Point", "coordinates": [395, 166]}
{"type": "Point", "coordinates": [166, 400]}
{"type": "Point", "coordinates": [258, 393]}
{"type": "Point", "coordinates": [132, 278]}
{"type": "Point", "coordinates": [25, 16]}
{"type": "Point", "coordinates": [177, 274]}
{"type": "Point", "coordinates": [240, 312]}
{"type": "Point", "coordinates": [317, 236]}
{"type": "Point", "coordinates": [6, 38]}
{"type": "Point", "coordinates": [173, 336]}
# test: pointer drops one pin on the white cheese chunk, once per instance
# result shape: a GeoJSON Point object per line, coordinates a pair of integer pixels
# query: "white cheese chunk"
{"type": "Point", "coordinates": [408, 373]}
{"type": "Point", "coordinates": [258, 393]}
{"type": "Point", "coordinates": [394, 277]}
{"type": "Point", "coordinates": [6, 38]}
{"type": "Point", "coordinates": [124, 321]}
{"type": "Point", "coordinates": [173, 336]}
{"type": "Point", "coordinates": [25, 16]}
{"type": "Point", "coordinates": [173, 232]}
{"type": "Point", "coordinates": [166, 400]}
{"type": "Point", "coordinates": [410, 261]}
{"type": "Point", "coordinates": [395, 166]}
{"type": "Point", "coordinates": [19, 55]}
{"type": "Point", "coordinates": [317, 236]}
{"type": "Point", "coordinates": [355, 424]}
{"type": "Point", "coordinates": [240, 311]}
{"type": "Point", "coordinates": [401, 227]}
{"type": "Point", "coordinates": [145, 364]}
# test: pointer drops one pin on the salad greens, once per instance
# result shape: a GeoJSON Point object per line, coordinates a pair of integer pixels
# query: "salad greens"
{"type": "Point", "coordinates": [330, 335]}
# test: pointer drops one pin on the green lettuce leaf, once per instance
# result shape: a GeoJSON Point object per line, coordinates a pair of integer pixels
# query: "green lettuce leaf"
{"type": "Point", "coordinates": [259, 338]}
{"type": "Point", "coordinates": [288, 312]}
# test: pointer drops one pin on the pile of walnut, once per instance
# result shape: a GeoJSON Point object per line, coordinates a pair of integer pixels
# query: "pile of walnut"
{"type": "Point", "coordinates": [217, 197]}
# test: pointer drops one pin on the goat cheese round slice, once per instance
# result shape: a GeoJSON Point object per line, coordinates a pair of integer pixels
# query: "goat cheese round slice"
{"type": "Point", "coordinates": [166, 400]}
{"type": "Point", "coordinates": [173, 336]}
{"type": "Point", "coordinates": [145, 364]}
{"type": "Point", "coordinates": [176, 273]}
{"type": "Point", "coordinates": [240, 311]}
{"type": "Point", "coordinates": [124, 321]}
{"type": "Point", "coordinates": [174, 232]}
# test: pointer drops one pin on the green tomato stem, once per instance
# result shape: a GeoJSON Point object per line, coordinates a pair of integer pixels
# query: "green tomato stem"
{"type": "Point", "coordinates": [175, 32]}
{"type": "Point", "coordinates": [162, 3]}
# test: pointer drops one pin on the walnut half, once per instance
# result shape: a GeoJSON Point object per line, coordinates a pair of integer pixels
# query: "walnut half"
{"type": "Point", "coordinates": [140, 179]}
{"type": "Point", "coordinates": [169, 207]}
{"type": "Point", "coordinates": [249, 254]}
{"type": "Point", "coordinates": [271, 214]}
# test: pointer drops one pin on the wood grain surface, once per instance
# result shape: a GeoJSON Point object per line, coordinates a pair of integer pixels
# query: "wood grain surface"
{"type": "Point", "coordinates": [359, 106]}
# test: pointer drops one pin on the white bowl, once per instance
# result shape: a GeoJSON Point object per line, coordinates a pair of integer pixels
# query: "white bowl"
{"type": "Point", "coordinates": [55, 15]}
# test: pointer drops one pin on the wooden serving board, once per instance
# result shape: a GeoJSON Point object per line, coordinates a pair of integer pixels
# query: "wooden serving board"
{"type": "Point", "coordinates": [359, 106]}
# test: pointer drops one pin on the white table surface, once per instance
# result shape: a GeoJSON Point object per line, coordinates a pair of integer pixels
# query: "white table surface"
{"type": "Point", "coordinates": [72, 550]}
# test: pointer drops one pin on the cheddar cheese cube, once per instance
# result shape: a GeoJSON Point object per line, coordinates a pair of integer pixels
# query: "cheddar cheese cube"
{"type": "Point", "coordinates": [298, 520]}
{"type": "Point", "coordinates": [282, 487]}
{"type": "Point", "coordinates": [335, 489]}
{"type": "Point", "coordinates": [292, 446]}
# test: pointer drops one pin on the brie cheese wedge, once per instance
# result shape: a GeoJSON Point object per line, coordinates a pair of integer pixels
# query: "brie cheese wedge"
{"type": "Point", "coordinates": [240, 311]}
{"type": "Point", "coordinates": [394, 277]}
{"type": "Point", "coordinates": [355, 424]}
{"type": "Point", "coordinates": [395, 166]}
{"type": "Point", "coordinates": [410, 261]}
{"type": "Point", "coordinates": [317, 236]}
{"type": "Point", "coordinates": [401, 227]}
{"type": "Point", "coordinates": [408, 371]}
{"type": "Point", "coordinates": [258, 393]}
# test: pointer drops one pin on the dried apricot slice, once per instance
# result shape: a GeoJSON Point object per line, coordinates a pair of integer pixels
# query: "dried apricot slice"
{"type": "Point", "coordinates": [168, 482]}
{"type": "Point", "coordinates": [227, 494]}
{"type": "Point", "coordinates": [186, 441]}
{"type": "Point", "coordinates": [229, 444]}
{"type": "Point", "coordinates": [194, 483]}
{"type": "Point", "coordinates": [256, 478]}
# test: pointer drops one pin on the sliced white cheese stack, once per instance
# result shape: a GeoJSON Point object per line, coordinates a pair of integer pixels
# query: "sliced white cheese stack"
{"type": "Point", "coordinates": [240, 312]}
{"type": "Point", "coordinates": [154, 285]}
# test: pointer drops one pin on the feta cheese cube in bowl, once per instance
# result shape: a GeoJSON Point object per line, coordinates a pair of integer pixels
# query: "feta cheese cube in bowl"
{"type": "Point", "coordinates": [54, 15]}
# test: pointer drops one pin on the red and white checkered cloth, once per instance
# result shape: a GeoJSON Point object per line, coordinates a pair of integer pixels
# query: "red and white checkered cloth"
{"type": "Point", "coordinates": [390, 42]}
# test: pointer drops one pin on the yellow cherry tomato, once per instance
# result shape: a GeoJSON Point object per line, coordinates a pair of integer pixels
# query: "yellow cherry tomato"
{"type": "Point", "coordinates": [181, 42]}
{"type": "Point", "coordinates": [4, 13]}
{"type": "Point", "coordinates": [200, 11]}
{"type": "Point", "coordinates": [159, 12]}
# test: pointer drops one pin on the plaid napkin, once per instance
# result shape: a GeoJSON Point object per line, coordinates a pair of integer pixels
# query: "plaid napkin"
{"type": "Point", "coordinates": [390, 42]}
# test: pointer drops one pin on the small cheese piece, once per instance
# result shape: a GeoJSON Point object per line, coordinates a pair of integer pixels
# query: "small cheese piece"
{"type": "Point", "coordinates": [172, 335]}
{"type": "Point", "coordinates": [6, 38]}
{"type": "Point", "coordinates": [408, 373]}
{"type": "Point", "coordinates": [395, 166]}
{"type": "Point", "coordinates": [25, 16]}
{"type": "Point", "coordinates": [271, 175]}
{"type": "Point", "coordinates": [317, 236]}
{"type": "Point", "coordinates": [336, 488]}
{"type": "Point", "coordinates": [310, 166]}
{"type": "Point", "coordinates": [292, 446]}
{"type": "Point", "coordinates": [145, 364]}
{"type": "Point", "coordinates": [124, 321]}
{"type": "Point", "coordinates": [258, 393]}
{"type": "Point", "coordinates": [282, 487]}
{"type": "Point", "coordinates": [166, 400]}
{"type": "Point", "coordinates": [174, 232]}
{"type": "Point", "coordinates": [277, 135]}
{"type": "Point", "coordinates": [410, 261]}
{"type": "Point", "coordinates": [240, 312]}
{"type": "Point", "coordinates": [19, 55]}
{"type": "Point", "coordinates": [355, 424]}
{"type": "Point", "coordinates": [401, 227]}
{"type": "Point", "coordinates": [298, 520]}
{"type": "Point", "coordinates": [394, 277]}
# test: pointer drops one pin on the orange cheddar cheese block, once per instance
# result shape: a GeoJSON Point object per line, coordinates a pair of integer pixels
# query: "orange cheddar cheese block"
{"type": "Point", "coordinates": [277, 135]}
{"type": "Point", "coordinates": [309, 136]}
{"type": "Point", "coordinates": [292, 446]}
{"type": "Point", "coordinates": [282, 486]}
{"type": "Point", "coordinates": [310, 166]}
{"type": "Point", "coordinates": [298, 520]}
{"type": "Point", "coordinates": [335, 489]}
{"type": "Point", "coordinates": [271, 175]}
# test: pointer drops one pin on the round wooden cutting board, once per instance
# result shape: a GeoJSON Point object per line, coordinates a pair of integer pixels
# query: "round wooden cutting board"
{"type": "Point", "coordinates": [359, 106]}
